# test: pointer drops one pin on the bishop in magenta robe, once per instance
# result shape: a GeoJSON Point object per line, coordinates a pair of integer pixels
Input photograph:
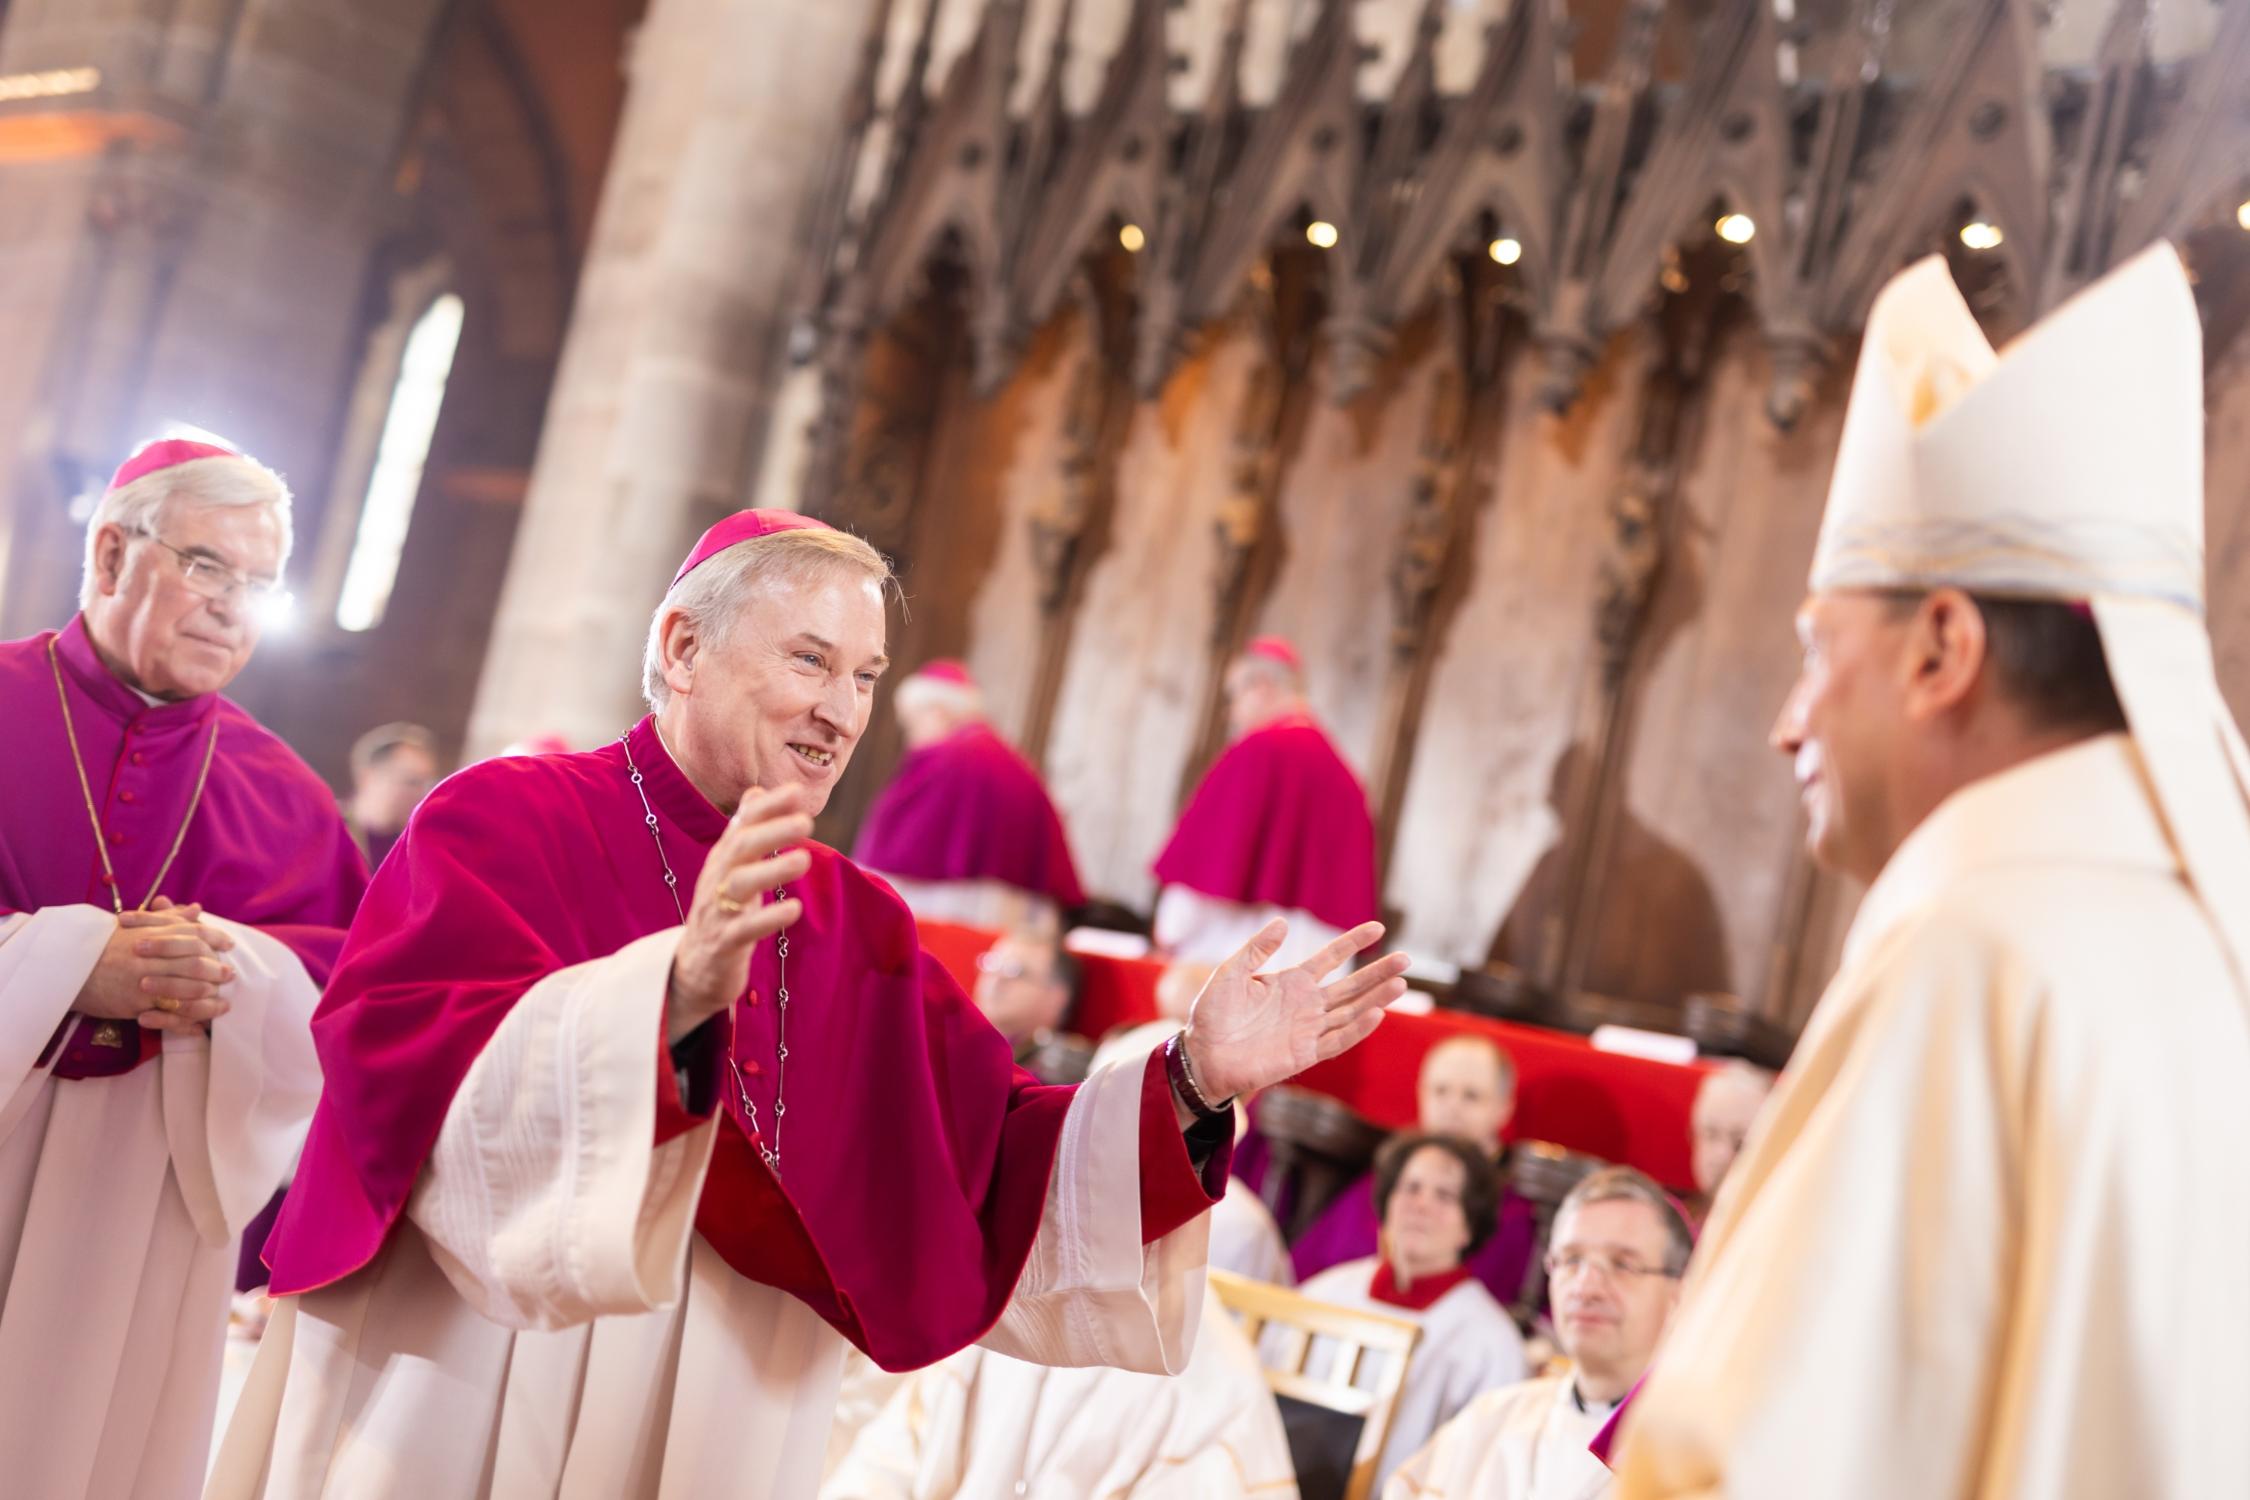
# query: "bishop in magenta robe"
{"type": "Point", "coordinates": [965, 830]}
{"type": "Point", "coordinates": [549, 1239]}
{"type": "Point", "coordinates": [1278, 826]}
{"type": "Point", "coordinates": [154, 839]}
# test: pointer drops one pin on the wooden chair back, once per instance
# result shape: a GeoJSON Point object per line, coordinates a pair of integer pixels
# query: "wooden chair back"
{"type": "Point", "coordinates": [1294, 1320]}
{"type": "Point", "coordinates": [1320, 1146]}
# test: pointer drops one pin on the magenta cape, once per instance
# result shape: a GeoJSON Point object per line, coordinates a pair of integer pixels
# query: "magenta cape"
{"type": "Point", "coordinates": [970, 808]}
{"type": "Point", "coordinates": [915, 1156]}
{"type": "Point", "coordinates": [1605, 1441]}
{"type": "Point", "coordinates": [266, 847]}
{"type": "Point", "coordinates": [1279, 820]}
{"type": "Point", "coordinates": [1348, 1229]}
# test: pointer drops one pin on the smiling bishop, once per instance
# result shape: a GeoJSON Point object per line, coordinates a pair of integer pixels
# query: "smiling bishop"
{"type": "Point", "coordinates": [1990, 1236]}
{"type": "Point", "coordinates": [174, 886]}
{"type": "Point", "coordinates": [640, 1106]}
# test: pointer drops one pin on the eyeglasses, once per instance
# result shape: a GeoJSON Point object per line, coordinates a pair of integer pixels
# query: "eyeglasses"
{"type": "Point", "coordinates": [1618, 1268]}
{"type": "Point", "coordinates": [215, 580]}
{"type": "Point", "coordinates": [1002, 968]}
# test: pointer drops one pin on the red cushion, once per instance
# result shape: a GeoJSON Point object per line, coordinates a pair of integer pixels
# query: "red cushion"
{"type": "Point", "coordinates": [1622, 1109]}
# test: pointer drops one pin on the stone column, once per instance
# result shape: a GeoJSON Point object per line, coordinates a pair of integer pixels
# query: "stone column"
{"type": "Point", "coordinates": [675, 347]}
{"type": "Point", "coordinates": [187, 220]}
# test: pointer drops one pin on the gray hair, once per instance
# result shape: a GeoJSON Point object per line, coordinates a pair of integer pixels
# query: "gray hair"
{"type": "Point", "coordinates": [712, 597]}
{"type": "Point", "coordinates": [1625, 1185]}
{"type": "Point", "coordinates": [138, 508]}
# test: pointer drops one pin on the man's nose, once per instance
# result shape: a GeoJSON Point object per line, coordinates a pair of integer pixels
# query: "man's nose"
{"type": "Point", "coordinates": [1788, 732]}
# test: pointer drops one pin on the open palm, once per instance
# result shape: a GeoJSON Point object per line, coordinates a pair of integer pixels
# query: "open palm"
{"type": "Point", "coordinates": [1247, 1029]}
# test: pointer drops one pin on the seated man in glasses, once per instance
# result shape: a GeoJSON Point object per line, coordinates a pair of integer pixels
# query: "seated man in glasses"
{"type": "Point", "coordinates": [1613, 1268]}
{"type": "Point", "coordinates": [174, 888]}
{"type": "Point", "coordinates": [1027, 984]}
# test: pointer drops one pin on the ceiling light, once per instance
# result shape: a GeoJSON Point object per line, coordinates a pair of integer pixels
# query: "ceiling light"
{"type": "Point", "coordinates": [1131, 238]}
{"type": "Point", "coordinates": [1736, 229]}
{"type": "Point", "coordinates": [1322, 234]}
{"type": "Point", "coordinates": [1978, 235]}
{"type": "Point", "coordinates": [1506, 251]}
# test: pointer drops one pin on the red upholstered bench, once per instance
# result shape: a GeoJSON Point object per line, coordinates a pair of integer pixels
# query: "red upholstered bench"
{"type": "Point", "coordinates": [1623, 1109]}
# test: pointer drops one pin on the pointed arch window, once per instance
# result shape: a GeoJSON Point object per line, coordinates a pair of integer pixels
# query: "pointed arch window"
{"type": "Point", "coordinates": [387, 508]}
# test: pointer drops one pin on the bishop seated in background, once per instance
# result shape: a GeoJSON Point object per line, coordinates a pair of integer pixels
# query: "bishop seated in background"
{"type": "Point", "coordinates": [965, 831]}
{"type": "Point", "coordinates": [165, 862]}
{"type": "Point", "coordinates": [1278, 827]}
{"type": "Point", "coordinates": [639, 1106]}
{"type": "Point", "coordinates": [1614, 1261]}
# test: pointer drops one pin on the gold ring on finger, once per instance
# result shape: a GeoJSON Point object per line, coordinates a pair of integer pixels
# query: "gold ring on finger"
{"type": "Point", "coordinates": [728, 904]}
{"type": "Point", "coordinates": [166, 1003]}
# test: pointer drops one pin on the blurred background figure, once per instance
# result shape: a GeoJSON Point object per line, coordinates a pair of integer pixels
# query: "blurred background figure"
{"type": "Point", "coordinates": [393, 768]}
{"type": "Point", "coordinates": [1614, 1264]}
{"type": "Point", "coordinates": [1467, 1091]}
{"type": "Point", "coordinates": [1279, 826]}
{"type": "Point", "coordinates": [965, 830]}
{"type": "Point", "coordinates": [983, 1426]}
{"type": "Point", "coordinates": [1437, 1197]}
{"type": "Point", "coordinates": [1027, 984]}
{"type": "Point", "coordinates": [1726, 1105]}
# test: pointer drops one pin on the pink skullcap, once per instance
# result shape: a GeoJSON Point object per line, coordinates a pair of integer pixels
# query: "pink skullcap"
{"type": "Point", "coordinates": [165, 453]}
{"type": "Point", "coordinates": [1276, 648]}
{"type": "Point", "coordinates": [946, 669]}
{"type": "Point", "coordinates": [744, 526]}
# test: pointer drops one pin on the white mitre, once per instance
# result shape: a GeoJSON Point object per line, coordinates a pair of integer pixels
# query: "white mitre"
{"type": "Point", "coordinates": [2068, 467]}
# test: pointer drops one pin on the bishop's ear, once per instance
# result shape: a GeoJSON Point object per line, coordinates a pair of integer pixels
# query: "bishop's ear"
{"type": "Point", "coordinates": [682, 646]}
{"type": "Point", "coordinates": [109, 557]}
{"type": "Point", "coordinates": [1947, 650]}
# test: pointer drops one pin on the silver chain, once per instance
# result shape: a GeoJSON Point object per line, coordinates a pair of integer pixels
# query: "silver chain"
{"type": "Point", "coordinates": [772, 1154]}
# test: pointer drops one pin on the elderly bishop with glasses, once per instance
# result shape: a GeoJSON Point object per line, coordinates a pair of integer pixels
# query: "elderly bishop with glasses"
{"type": "Point", "coordinates": [174, 887]}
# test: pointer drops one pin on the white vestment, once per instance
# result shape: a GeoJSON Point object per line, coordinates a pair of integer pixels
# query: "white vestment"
{"type": "Point", "coordinates": [1991, 1236]}
{"type": "Point", "coordinates": [1522, 1442]}
{"type": "Point", "coordinates": [1244, 1237]}
{"type": "Point", "coordinates": [993, 905]}
{"type": "Point", "coordinates": [1194, 928]}
{"type": "Point", "coordinates": [982, 1426]}
{"type": "Point", "coordinates": [122, 1201]}
{"type": "Point", "coordinates": [1469, 1346]}
{"type": "Point", "coordinates": [545, 1322]}
{"type": "Point", "coordinates": [1246, 1240]}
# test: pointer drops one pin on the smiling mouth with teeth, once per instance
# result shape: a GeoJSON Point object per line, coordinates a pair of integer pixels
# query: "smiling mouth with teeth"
{"type": "Point", "coordinates": [817, 756]}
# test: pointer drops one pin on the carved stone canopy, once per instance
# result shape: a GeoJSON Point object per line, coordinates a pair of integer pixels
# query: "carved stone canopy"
{"type": "Point", "coordinates": [1834, 150]}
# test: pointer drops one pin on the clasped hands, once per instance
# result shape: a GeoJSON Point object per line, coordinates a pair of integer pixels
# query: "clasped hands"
{"type": "Point", "coordinates": [162, 969]}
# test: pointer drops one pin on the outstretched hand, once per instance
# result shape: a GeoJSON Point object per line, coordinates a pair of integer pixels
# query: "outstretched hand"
{"type": "Point", "coordinates": [1247, 1029]}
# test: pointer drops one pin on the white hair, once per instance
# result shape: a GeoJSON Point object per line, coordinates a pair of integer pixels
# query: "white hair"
{"type": "Point", "coordinates": [712, 597]}
{"type": "Point", "coordinates": [1733, 1076]}
{"type": "Point", "coordinates": [138, 508]}
{"type": "Point", "coordinates": [919, 692]}
{"type": "Point", "coordinates": [1256, 666]}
